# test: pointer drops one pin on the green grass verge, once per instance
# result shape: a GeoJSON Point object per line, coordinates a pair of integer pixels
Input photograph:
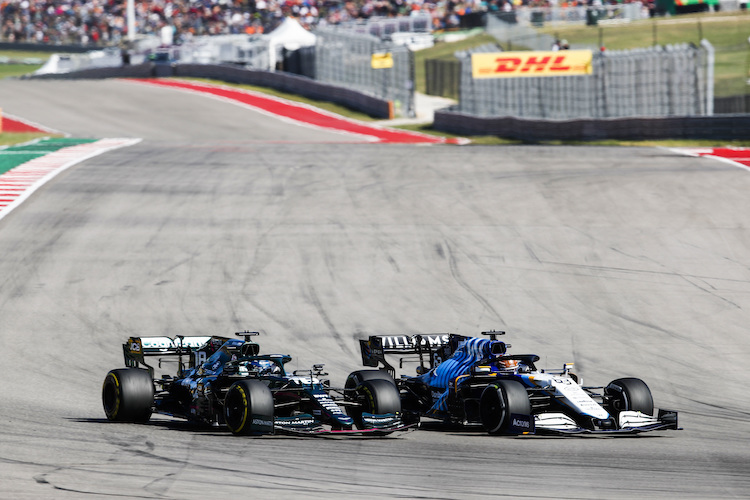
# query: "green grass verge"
{"type": "Point", "coordinates": [25, 54]}
{"type": "Point", "coordinates": [8, 69]}
{"type": "Point", "coordinates": [728, 33]}
{"type": "Point", "coordinates": [14, 156]}
{"type": "Point", "coordinates": [444, 50]}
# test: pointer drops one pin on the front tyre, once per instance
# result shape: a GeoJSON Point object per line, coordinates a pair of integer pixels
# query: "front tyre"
{"type": "Point", "coordinates": [248, 408]}
{"type": "Point", "coordinates": [358, 377]}
{"type": "Point", "coordinates": [628, 394]}
{"type": "Point", "coordinates": [499, 401]}
{"type": "Point", "coordinates": [128, 395]}
{"type": "Point", "coordinates": [377, 397]}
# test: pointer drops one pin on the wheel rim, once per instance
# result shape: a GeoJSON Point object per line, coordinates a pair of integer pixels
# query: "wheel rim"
{"type": "Point", "coordinates": [492, 408]}
{"type": "Point", "coordinates": [236, 409]}
{"type": "Point", "coordinates": [110, 397]}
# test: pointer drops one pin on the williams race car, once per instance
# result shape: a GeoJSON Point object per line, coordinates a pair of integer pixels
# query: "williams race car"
{"type": "Point", "coordinates": [473, 381]}
{"type": "Point", "coordinates": [225, 381]}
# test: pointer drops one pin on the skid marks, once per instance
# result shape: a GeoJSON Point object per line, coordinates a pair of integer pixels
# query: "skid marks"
{"type": "Point", "coordinates": [457, 276]}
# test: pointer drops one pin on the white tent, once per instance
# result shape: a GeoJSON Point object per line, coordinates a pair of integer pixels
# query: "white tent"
{"type": "Point", "coordinates": [289, 35]}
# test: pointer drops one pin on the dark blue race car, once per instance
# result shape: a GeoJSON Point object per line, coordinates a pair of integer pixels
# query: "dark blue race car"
{"type": "Point", "coordinates": [472, 381]}
{"type": "Point", "coordinates": [226, 381]}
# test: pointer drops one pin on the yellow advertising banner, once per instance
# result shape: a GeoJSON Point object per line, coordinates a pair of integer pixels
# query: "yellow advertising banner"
{"type": "Point", "coordinates": [531, 63]}
{"type": "Point", "coordinates": [381, 60]}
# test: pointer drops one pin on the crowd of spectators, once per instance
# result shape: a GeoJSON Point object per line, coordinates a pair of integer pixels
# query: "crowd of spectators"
{"type": "Point", "coordinates": [103, 22]}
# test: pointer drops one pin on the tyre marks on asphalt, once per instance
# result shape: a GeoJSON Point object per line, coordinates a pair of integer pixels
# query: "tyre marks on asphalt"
{"type": "Point", "coordinates": [18, 183]}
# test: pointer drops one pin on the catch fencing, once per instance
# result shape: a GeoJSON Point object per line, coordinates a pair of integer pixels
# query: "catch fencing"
{"type": "Point", "coordinates": [345, 58]}
{"type": "Point", "coordinates": [249, 51]}
{"type": "Point", "coordinates": [517, 35]}
{"type": "Point", "coordinates": [652, 82]}
{"type": "Point", "coordinates": [385, 27]}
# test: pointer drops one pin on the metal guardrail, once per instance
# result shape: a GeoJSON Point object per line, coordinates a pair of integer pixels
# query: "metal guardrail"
{"type": "Point", "coordinates": [295, 84]}
{"type": "Point", "coordinates": [345, 58]}
{"type": "Point", "coordinates": [383, 27]}
{"type": "Point", "coordinates": [517, 35]}
{"type": "Point", "coordinates": [719, 127]}
{"type": "Point", "coordinates": [621, 12]}
{"type": "Point", "coordinates": [251, 51]}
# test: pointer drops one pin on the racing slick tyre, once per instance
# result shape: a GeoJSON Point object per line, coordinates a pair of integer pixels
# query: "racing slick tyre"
{"type": "Point", "coordinates": [248, 408]}
{"type": "Point", "coordinates": [499, 401]}
{"type": "Point", "coordinates": [128, 395]}
{"type": "Point", "coordinates": [628, 394]}
{"type": "Point", "coordinates": [356, 378]}
{"type": "Point", "coordinates": [376, 396]}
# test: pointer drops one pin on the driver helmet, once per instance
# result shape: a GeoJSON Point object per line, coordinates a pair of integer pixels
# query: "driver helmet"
{"type": "Point", "coordinates": [507, 364]}
{"type": "Point", "coordinates": [266, 367]}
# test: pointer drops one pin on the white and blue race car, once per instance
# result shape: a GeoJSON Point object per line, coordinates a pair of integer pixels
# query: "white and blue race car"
{"type": "Point", "coordinates": [473, 381]}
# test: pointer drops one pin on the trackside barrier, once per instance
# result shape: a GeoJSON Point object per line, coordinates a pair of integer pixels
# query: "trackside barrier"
{"type": "Point", "coordinates": [295, 84]}
{"type": "Point", "coordinates": [732, 104]}
{"type": "Point", "coordinates": [656, 81]}
{"type": "Point", "coordinates": [46, 47]}
{"type": "Point", "coordinates": [385, 27]}
{"type": "Point", "coordinates": [722, 127]}
{"type": "Point", "coordinates": [145, 70]}
{"type": "Point", "coordinates": [345, 59]}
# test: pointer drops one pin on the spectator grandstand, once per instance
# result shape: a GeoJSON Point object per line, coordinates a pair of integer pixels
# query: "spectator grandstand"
{"type": "Point", "coordinates": [103, 22]}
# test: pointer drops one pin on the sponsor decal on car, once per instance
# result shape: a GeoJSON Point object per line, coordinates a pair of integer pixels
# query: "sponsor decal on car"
{"type": "Point", "coordinates": [380, 421]}
{"type": "Point", "coordinates": [407, 342]}
{"type": "Point", "coordinates": [135, 345]}
{"type": "Point", "coordinates": [523, 424]}
{"type": "Point", "coordinates": [261, 423]}
{"type": "Point", "coordinates": [296, 421]}
{"type": "Point", "coordinates": [327, 403]}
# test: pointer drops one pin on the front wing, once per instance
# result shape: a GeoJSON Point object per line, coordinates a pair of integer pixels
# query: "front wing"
{"type": "Point", "coordinates": [630, 422]}
{"type": "Point", "coordinates": [306, 424]}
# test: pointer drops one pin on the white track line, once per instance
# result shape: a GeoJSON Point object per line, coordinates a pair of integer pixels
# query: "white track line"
{"type": "Point", "coordinates": [36, 125]}
{"type": "Point", "coordinates": [708, 153]}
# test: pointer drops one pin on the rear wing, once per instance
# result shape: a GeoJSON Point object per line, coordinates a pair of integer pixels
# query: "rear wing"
{"type": "Point", "coordinates": [429, 350]}
{"type": "Point", "coordinates": [137, 349]}
{"type": "Point", "coordinates": [426, 349]}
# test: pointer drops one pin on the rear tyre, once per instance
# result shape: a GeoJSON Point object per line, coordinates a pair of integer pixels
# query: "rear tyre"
{"type": "Point", "coordinates": [628, 394]}
{"type": "Point", "coordinates": [376, 396]}
{"type": "Point", "coordinates": [499, 401]}
{"type": "Point", "coordinates": [128, 395]}
{"type": "Point", "coordinates": [248, 408]}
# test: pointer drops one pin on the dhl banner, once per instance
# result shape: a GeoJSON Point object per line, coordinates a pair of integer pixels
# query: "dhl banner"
{"type": "Point", "coordinates": [381, 60]}
{"type": "Point", "coordinates": [536, 63]}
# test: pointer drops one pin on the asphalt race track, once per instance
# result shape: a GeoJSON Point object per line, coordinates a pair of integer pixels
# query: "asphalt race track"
{"type": "Point", "coordinates": [626, 261]}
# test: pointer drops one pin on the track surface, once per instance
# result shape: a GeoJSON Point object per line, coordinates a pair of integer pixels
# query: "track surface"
{"type": "Point", "coordinates": [625, 261]}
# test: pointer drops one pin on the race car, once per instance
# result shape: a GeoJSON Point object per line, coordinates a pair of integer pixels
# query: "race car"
{"type": "Point", "coordinates": [223, 381]}
{"type": "Point", "coordinates": [472, 381]}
